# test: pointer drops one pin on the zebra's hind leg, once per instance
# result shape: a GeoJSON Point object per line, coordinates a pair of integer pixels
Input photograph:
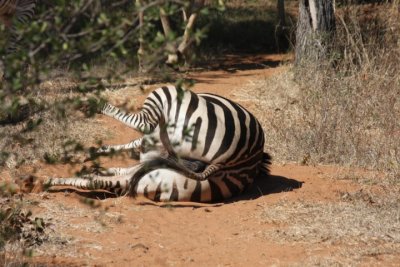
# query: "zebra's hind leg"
{"type": "Point", "coordinates": [118, 185]}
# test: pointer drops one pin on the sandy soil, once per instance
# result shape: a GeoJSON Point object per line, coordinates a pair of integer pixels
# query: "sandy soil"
{"type": "Point", "coordinates": [127, 232]}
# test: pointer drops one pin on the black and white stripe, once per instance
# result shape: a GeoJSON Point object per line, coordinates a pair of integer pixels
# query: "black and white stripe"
{"type": "Point", "coordinates": [196, 147]}
{"type": "Point", "coordinates": [12, 12]}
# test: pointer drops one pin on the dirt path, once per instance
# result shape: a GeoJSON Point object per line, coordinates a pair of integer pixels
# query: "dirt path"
{"type": "Point", "coordinates": [118, 232]}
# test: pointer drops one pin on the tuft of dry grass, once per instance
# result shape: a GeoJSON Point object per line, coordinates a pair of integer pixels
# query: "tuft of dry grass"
{"type": "Point", "coordinates": [362, 224]}
{"type": "Point", "coordinates": [343, 110]}
{"type": "Point", "coordinates": [92, 221]}
{"type": "Point", "coordinates": [352, 223]}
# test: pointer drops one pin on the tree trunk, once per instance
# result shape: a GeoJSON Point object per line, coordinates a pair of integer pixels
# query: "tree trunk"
{"type": "Point", "coordinates": [281, 14]}
{"type": "Point", "coordinates": [140, 52]}
{"type": "Point", "coordinates": [184, 45]}
{"type": "Point", "coordinates": [282, 36]}
{"type": "Point", "coordinates": [315, 29]}
{"type": "Point", "coordinates": [165, 22]}
{"type": "Point", "coordinates": [182, 49]}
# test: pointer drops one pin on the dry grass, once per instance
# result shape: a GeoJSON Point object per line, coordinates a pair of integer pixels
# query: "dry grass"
{"type": "Point", "coordinates": [345, 115]}
{"type": "Point", "coordinates": [363, 220]}
{"type": "Point", "coordinates": [362, 224]}
{"type": "Point", "coordinates": [276, 100]}
{"type": "Point", "coordinates": [53, 138]}
{"type": "Point", "coordinates": [58, 136]}
{"type": "Point", "coordinates": [20, 232]}
{"type": "Point", "coordinates": [343, 110]}
{"type": "Point", "coordinates": [62, 241]}
{"type": "Point", "coordinates": [54, 238]}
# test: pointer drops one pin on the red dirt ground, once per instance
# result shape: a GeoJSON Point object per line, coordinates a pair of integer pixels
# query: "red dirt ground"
{"type": "Point", "coordinates": [120, 232]}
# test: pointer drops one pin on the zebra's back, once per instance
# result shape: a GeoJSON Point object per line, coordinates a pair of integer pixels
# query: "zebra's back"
{"type": "Point", "coordinates": [206, 127]}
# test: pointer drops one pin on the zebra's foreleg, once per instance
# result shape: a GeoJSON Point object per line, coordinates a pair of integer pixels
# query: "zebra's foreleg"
{"type": "Point", "coordinates": [118, 171]}
{"type": "Point", "coordinates": [134, 145]}
{"type": "Point", "coordinates": [144, 121]}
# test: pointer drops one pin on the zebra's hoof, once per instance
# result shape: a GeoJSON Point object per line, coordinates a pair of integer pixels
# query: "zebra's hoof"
{"type": "Point", "coordinates": [47, 184]}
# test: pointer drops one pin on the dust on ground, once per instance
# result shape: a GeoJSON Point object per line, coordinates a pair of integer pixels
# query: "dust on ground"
{"type": "Point", "coordinates": [300, 216]}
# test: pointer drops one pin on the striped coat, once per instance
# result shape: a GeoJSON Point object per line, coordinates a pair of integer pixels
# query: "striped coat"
{"type": "Point", "coordinates": [12, 11]}
{"type": "Point", "coordinates": [196, 147]}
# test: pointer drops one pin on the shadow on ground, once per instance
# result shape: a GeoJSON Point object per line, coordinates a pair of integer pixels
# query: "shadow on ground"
{"type": "Point", "coordinates": [86, 194]}
{"type": "Point", "coordinates": [240, 62]}
{"type": "Point", "coordinates": [262, 186]}
{"type": "Point", "coordinates": [267, 185]}
{"type": "Point", "coordinates": [243, 66]}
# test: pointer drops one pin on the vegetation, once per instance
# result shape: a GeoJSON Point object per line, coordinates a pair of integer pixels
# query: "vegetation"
{"type": "Point", "coordinates": [254, 20]}
{"type": "Point", "coordinates": [342, 110]}
{"type": "Point", "coordinates": [66, 56]}
{"type": "Point", "coordinates": [361, 225]}
{"type": "Point", "coordinates": [19, 231]}
{"type": "Point", "coordinates": [73, 59]}
{"type": "Point", "coordinates": [73, 55]}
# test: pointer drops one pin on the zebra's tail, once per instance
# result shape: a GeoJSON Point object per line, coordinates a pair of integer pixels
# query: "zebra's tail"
{"type": "Point", "coordinates": [266, 162]}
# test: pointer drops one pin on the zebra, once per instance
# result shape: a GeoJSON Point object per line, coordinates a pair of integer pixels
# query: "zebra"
{"type": "Point", "coordinates": [196, 147]}
{"type": "Point", "coordinates": [12, 12]}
